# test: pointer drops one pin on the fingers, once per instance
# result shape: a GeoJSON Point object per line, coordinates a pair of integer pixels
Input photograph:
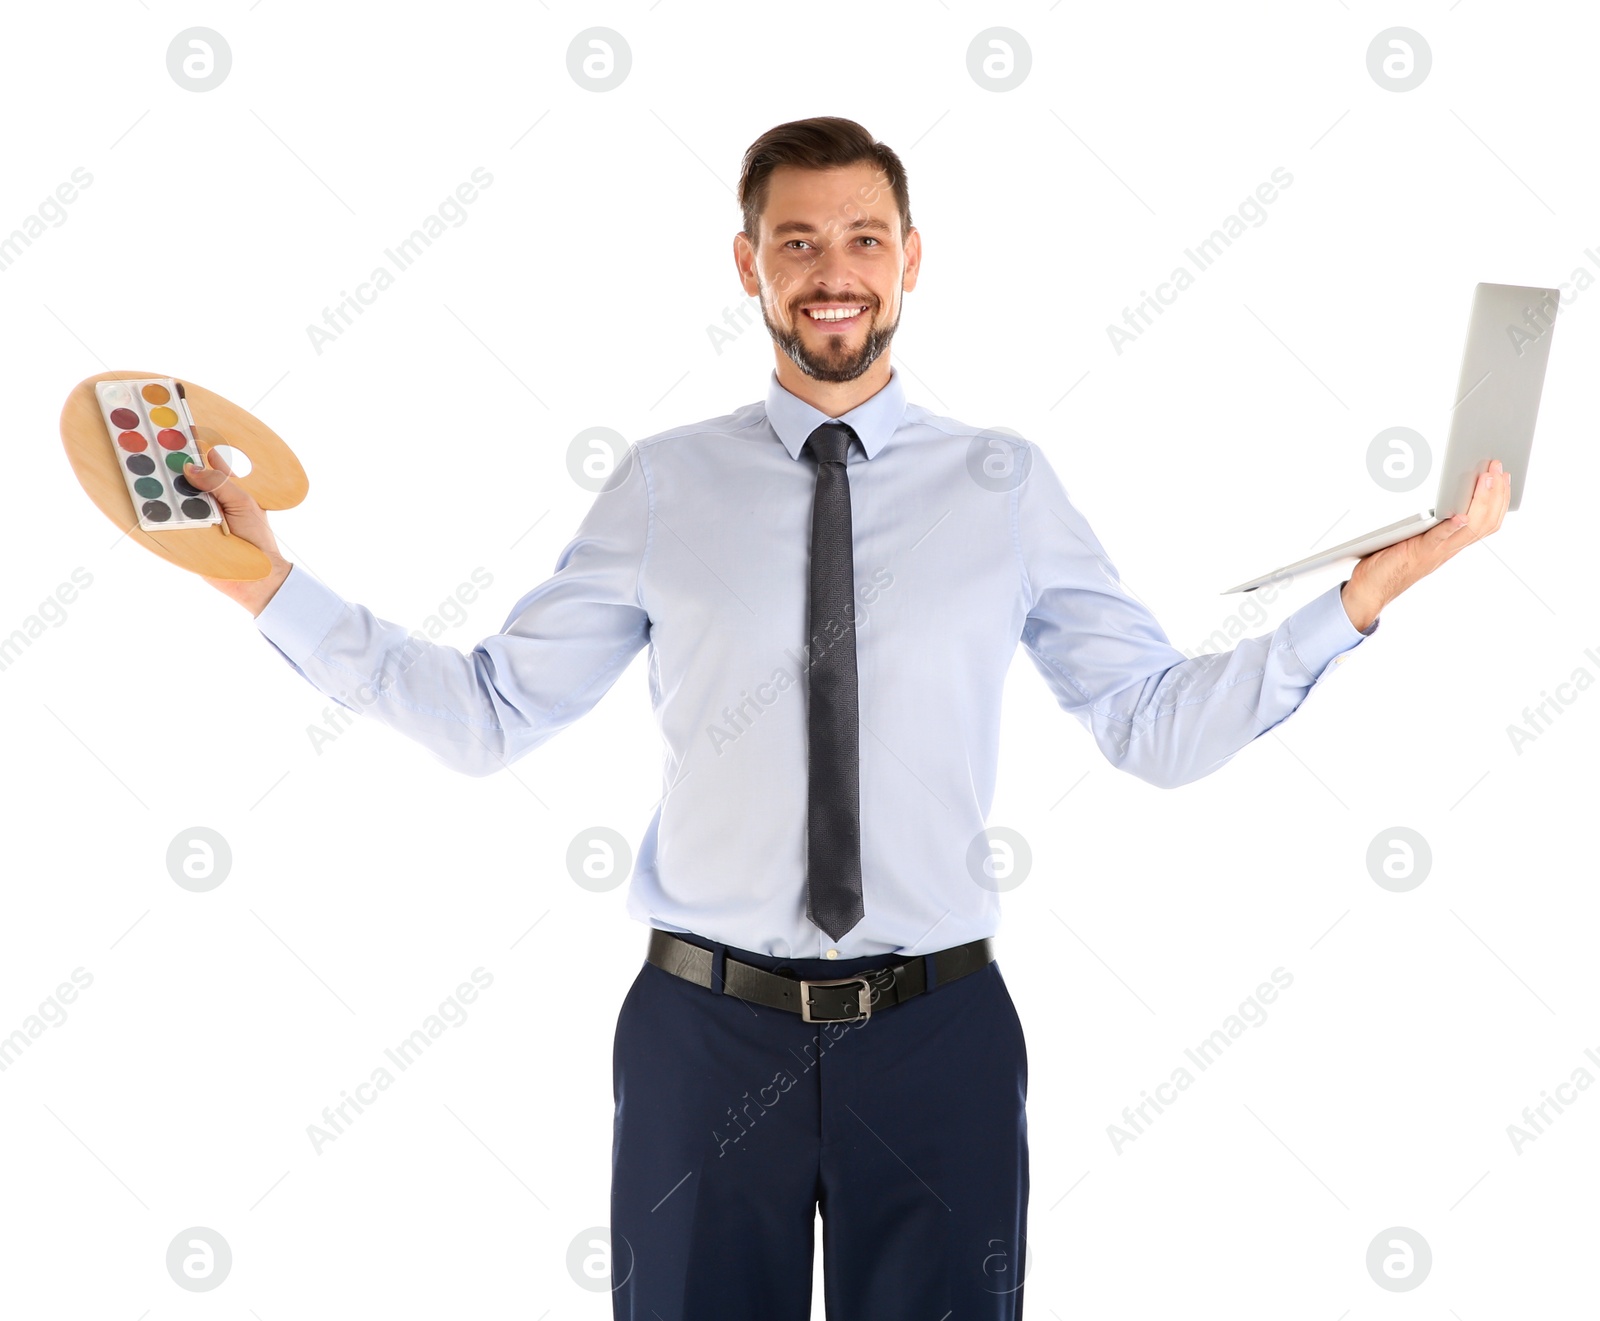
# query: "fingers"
{"type": "Point", "coordinates": [1503, 491]}
{"type": "Point", "coordinates": [1491, 496]}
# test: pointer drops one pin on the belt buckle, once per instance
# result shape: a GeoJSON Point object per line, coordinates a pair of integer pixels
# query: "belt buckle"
{"type": "Point", "coordinates": [863, 999]}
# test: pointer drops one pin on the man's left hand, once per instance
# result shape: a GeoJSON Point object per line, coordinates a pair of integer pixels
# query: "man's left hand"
{"type": "Point", "coordinates": [1381, 576]}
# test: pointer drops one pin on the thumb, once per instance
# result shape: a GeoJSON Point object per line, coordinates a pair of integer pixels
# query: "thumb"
{"type": "Point", "coordinates": [242, 516]}
{"type": "Point", "coordinates": [216, 480]}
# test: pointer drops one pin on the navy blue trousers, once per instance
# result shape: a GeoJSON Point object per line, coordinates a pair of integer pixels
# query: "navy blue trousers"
{"type": "Point", "coordinates": [737, 1124]}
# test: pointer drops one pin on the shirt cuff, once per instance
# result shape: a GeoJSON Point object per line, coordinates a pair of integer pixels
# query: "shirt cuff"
{"type": "Point", "coordinates": [1321, 634]}
{"type": "Point", "coordinates": [299, 615]}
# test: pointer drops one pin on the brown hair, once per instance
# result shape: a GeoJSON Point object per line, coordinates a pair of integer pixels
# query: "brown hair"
{"type": "Point", "coordinates": [821, 143]}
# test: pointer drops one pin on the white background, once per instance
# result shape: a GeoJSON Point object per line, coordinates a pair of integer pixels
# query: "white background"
{"type": "Point", "coordinates": [367, 881]}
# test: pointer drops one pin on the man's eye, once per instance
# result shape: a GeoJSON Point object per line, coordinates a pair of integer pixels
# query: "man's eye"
{"type": "Point", "coordinates": [867, 238]}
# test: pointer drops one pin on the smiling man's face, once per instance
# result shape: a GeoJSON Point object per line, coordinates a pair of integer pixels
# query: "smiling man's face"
{"type": "Point", "coordinates": [830, 265]}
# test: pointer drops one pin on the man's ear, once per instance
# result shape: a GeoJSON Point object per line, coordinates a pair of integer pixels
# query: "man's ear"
{"type": "Point", "coordinates": [744, 260]}
{"type": "Point", "coordinates": [913, 264]}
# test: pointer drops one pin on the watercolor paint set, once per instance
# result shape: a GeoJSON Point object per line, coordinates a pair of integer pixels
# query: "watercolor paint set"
{"type": "Point", "coordinates": [152, 435]}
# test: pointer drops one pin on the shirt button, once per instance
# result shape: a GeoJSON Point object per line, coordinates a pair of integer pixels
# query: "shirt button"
{"type": "Point", "coordinates": [833, 953]}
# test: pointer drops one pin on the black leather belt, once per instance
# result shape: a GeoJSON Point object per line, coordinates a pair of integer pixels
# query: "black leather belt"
{"type": "Point", "coordinates": [831, 1000]}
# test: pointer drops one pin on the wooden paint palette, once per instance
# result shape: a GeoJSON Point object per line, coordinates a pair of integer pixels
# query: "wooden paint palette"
{"type": "Point", "coordinates": [102, 432]}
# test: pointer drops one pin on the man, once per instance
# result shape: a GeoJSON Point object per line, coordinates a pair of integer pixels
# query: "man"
{"type": "Point", "coordinates": [832, 583]}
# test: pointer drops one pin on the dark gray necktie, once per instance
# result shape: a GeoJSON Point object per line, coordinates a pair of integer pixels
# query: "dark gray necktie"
{"type": "Point", "coordinates": [833, 820]}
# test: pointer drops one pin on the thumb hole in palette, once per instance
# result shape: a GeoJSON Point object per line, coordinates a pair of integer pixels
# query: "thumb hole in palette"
{"type": "Point", "coordinates": [235, 458]}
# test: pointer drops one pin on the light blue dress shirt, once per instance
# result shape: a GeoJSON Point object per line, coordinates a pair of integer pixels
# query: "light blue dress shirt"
{"type": "Point", "coordinates": [698, 548]}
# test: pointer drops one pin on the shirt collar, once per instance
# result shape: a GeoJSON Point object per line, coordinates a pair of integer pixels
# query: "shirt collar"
{"type": "Point", "coordinates": [873, 421]}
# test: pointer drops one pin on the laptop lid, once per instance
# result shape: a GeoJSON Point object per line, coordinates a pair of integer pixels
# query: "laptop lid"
{"type": "Point", "coordinates": [1497, 397]}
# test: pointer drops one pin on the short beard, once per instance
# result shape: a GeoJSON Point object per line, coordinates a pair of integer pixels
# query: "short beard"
{"type": "Point", "coordinates": [831, 369]}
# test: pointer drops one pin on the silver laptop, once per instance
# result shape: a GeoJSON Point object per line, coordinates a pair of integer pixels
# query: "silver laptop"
{"type": "Point", "coordinates": [1497, 403]}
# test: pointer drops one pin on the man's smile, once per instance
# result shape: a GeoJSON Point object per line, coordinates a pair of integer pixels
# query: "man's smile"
{"type": "Point", "coordinates": [834, 315]}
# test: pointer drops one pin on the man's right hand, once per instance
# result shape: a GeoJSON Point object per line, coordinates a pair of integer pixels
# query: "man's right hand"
{"type": "Point", "coordinates": [245, 519]}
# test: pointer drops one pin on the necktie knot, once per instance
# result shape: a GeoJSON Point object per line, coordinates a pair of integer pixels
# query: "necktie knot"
{"type": "Point", "coordinates": [830, 442]}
